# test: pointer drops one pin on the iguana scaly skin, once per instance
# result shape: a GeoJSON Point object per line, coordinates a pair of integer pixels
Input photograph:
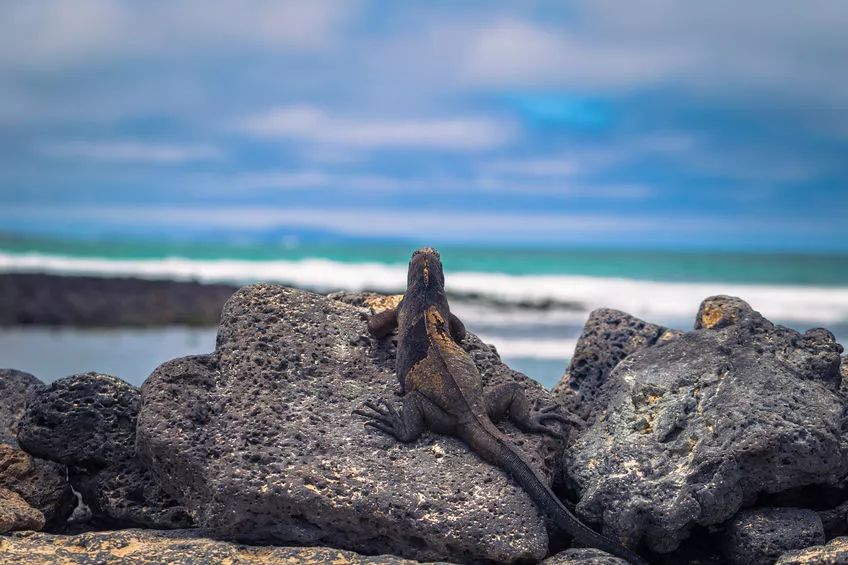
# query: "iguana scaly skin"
{"type": "Point", "coordinates": [443, 392]}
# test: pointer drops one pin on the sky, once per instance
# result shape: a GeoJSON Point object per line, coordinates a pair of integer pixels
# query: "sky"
{"type": "Point", "coordinates": [588, 123]}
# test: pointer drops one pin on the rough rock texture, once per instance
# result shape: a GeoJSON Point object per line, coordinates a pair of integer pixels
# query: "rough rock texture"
{"type": "Point", "coordinates": [259, 442]}
{"type": "Point", "coordinates": [758, 537]}
{"type": "Point", "coordinates": [704, 423]}
{"type": "Point", "coordinates": [176, 547]}
{"type": "Point", "coordinates": [27, 299]}
{"type": "Point", "coordinates": [834, 553]}
{"type": "Point", "coordinates": [43, 484]}
{"type": "Point", "coordinates": [16, 387]}
{"type": "Point", "coordinates": [17, 514]}
{"type": "Point", "coordinates": [87, 422]}
{"type": "Point", "coordinates": [835, 520]}
{"type": "Point", "coordinates": [721, 311]}
{"type": "Point", "coordinates": [608, 337]}
{"type": "Point", "coordinates": [583, 556]}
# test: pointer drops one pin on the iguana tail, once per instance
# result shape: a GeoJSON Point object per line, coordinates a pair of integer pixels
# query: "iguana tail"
{"type": "Point", "coordinates": [490, 444]}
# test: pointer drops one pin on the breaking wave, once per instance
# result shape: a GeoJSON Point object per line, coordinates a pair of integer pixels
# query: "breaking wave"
{"type": "Point", "coordinates": [496, 297]}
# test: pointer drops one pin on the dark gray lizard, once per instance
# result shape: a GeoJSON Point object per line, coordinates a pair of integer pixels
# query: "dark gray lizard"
{"type": "Point", "coordinates": [443, 392]}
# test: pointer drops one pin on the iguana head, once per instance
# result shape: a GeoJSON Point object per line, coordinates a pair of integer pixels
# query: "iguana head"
{"type": "Point", "coordinates": [425, 271]}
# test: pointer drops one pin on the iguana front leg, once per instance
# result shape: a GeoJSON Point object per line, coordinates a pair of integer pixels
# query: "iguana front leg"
{"type": "Point", "coordinates": [509, 400]}
{"type": "Point", "coordinates": [457, 328]}
{"type": "Point", "coordinates": [383, 323]}
{"type": "Point", "coordinates": [417, 414]}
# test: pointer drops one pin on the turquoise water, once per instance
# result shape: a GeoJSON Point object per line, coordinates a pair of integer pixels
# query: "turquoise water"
{"type": "Point", "coordinates": [529, 303]}
{"type": "Point", "coordinates": [682, 266]}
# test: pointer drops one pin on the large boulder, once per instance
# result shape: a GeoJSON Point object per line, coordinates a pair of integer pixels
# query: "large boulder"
{"type": "Point", "coordinates": [835, 552]}
{"type": "Point", "coordinates": [40, 484]}
{"type": "Point", "coordinates": [152, 547]}
{"type": "Point", "coordinates": [259, 441]}
{"type": "Point", "coordinates": [760, 536]}
{"type": "Point", "coordinates": [694, 428]}
{"type": "Point", "coordinates": [87, 422]}
{"type": "Point", "coordinates": [608, 337]}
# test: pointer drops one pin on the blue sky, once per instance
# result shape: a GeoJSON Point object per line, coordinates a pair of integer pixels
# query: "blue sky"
{"type": "Point", "coordinates": [657, 124]}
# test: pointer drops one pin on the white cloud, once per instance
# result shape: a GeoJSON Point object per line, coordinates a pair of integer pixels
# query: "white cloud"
{"type": "Point", "coordinates": [517, 52]}
{"type": "Point", "coordinates": [312, 124]}
{"type": "Point", "coordinates": [543, 167]}
{"type": "Point", "coordinates": [363, 182]}
{"type": "Point", "coordinates": [52, 33]}
{"type": "Point", "coordinates": [129, 151]}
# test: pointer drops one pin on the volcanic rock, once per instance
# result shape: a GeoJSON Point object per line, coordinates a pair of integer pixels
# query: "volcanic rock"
{"type": "Point", "coordinates": [608, 337]}
{"type": "Point", "coordinates": [152, 547]}
{"type": "Point", "coordinates": [87, 422]}
{"type": "Point", "coordinates": [835, 552]}
{"type": "Point", "coordinates": [17, 514]}
{"type": "Point", "coordinates": [583, 556]}
{"type": "Point", "coordinates": [16, 387]}
{"type": "Point", "coordinates": [697, 427]}
{"type": "Point", "coordinates": [258, 440]}
{"type": "Point", "coordinates": [758, 537]}
{"type": "Point", "coordinates": [41, 484]}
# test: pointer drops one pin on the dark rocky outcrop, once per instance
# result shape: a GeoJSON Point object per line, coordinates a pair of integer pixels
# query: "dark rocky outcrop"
{"type": "Point", "coordinates": [583, 556]}
{"type": "Point", "coordinates": [759, 537]}
{"type": "Point", "coordinates": [835, 552]}
{"type": "Point", "coordinates": [176, 547]}
{"type": "Point", "coordinates": [835, 520]}
{"type": "Point", "coordinates": [16, 387]}
{"type": "Point", "coordinates": [87, 422]}
{"type": "Point", "coordinates": [36, 299]}
{"type": "Point", "coordinates": [39, 484]}
{"type": "Point", "coordinates": [696, 428]}
{"type": "Point", "coordinates": [259, 442]}
{"type": "Point", "coordinates": [608, 337]}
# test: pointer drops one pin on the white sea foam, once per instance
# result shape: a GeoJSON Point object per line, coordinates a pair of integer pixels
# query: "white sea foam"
{"type": "Point", "coordinates": [655, 301]}
{"type": "Point", "coordinates": [535, 348]}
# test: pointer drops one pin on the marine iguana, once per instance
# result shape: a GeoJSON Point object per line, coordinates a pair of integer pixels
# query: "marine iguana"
{"type": "Point", "coordinates": [443, 392]}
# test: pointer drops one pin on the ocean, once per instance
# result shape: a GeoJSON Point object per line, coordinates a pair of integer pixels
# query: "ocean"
{"type": "Point", "coordinates": [530, 303]}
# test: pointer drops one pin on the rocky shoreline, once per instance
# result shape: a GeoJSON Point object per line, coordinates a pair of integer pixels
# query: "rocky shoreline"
{"type": "Point", "coordinates": [36, 299]}
{"type": "Point", "coordinates": [724, 444]}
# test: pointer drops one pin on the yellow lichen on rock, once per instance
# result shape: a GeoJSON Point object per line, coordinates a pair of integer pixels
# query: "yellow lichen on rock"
{"type": "Point", "coordinates": [157, 546]}
{"type": "Point", "coordinates": [380, 302]}
{"type": "Point", "coordinates": [835, 552]}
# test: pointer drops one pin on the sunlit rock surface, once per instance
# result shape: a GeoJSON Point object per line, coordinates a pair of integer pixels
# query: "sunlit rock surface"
{"type": "Point", "coordinates": [258, 440]}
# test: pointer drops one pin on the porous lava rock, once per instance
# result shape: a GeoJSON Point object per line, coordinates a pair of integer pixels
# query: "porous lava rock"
{"type": "Point", "coordinates": [835, 552]}
{"type": "Point", "coordinates": [258, 440]}
{"type": "Point", "coordinates": [40, 484]}
{"type": "Point", "coordinates": [583, 556]}
{"type": "Point", "coordinates": [17, 514]}
{"type": "Point", "coordinates": [16, 387]}
{"type": "Point", "coordinates": [760, 536]}
{"type": "Point", "coordinates": [87, 422]}
{"type": "Point", "coordinates": [696, 428]}
{"type": "Point", "coordinates": [607, 337]}
{"type": "Point", "coordinates": [835, 520]}
{"type": "Point", "coordinates": [176, 547]}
